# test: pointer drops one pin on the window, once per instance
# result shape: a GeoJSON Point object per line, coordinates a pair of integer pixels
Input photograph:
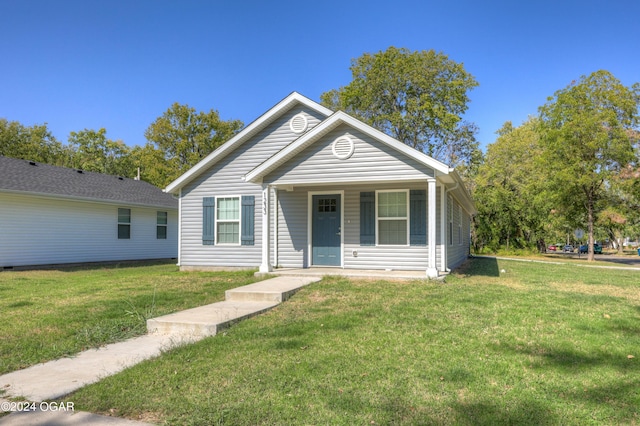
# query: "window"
{"type": "Point", "coordinates": [124, 224]}
{"type": "Point", "coordinates": [228, 220]}
{"type": "Point", "coordinates": [459, 224]}
{"type": "Point", "coordinates": [450, 214]}
{"type": "Point", "coordinates": [392, 209]}
{"type": "Point", "coordinates": [161, 226]}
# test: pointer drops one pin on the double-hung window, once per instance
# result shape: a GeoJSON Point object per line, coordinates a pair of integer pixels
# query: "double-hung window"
{"type": "Point", "coordinates": [459, 224]}
{"type": "Point", "coordinates": [392, 214]}
{"type": "Point", "coordinates": [124, 224]}
{"type": "Point", "coordinates": [161, 226]}
{"type": "Point", "coordinates": [228, 220]}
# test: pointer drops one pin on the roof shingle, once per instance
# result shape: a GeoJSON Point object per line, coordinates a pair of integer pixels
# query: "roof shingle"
{"type": "Point", "coordinates": [36, 178]}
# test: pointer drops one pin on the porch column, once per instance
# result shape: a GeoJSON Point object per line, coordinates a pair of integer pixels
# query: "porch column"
{"type": "Point", "coordinates": [265, 266]}
{"type": "Point", "coordinates": [432, 270]}
{"type": "Point", "coordinates": [443, 228]}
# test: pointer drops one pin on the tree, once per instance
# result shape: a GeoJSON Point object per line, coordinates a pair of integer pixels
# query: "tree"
{"type": "Point", "coordinates": [93, 152]}
{"type": "Point", "coordinates": [415, 97]}
{"type": "Point", "coordinates": [154, 167]}
{"type": "Point", "coordinates": [586, 133]}
{"type": "Point", "coordinates": [34, 143]}
{"type": "Point", "coordinates": [186, 136]}
{"type": "Point", "coordinates": [513, 203]}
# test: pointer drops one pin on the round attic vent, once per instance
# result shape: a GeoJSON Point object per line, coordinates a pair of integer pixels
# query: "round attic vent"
{"type": "Point", "coordinates": [298, 123]}
{"type": "Point", "coordinates": [343, 147]}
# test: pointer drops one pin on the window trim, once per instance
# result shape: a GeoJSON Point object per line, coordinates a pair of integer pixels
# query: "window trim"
{"type": "Point", "coordinates": [450, 217]}
{"type": "Point", "coordinates": [406, 218]}
{"type": "Point", "coordinates": [459, 224]}
{"type": "Point", "coordinates": [239, 220]}
{"type": "Point", "coordinates": [162, 225]}
{"type": "Point", "coordinates": [121, 223]}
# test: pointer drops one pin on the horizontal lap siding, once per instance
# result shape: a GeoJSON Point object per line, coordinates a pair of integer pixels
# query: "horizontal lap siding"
{"type": "Point", "coordinates": [225, 178]}
{"type": "Point", "coordinates": [371, 161]}
{"type": "Point", "coordinates": [292, 229]}
{"type": "Point", "coordinates": [458, 251]}
{"type": "Point", "coordinates": [41, 231]}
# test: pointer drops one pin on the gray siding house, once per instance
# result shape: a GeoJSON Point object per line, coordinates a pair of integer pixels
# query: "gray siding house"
{"type": "Point", "coordinates": [303, 186]}
{"type": "Point", "coordinates": [55, 215]}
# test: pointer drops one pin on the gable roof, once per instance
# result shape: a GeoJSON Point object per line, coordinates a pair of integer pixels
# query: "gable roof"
{"type": "Point", "coordinates": [260, 123]}
{"type": "Point", "coordinates": [447, 174]}
{"type": "Point", "coordinates": [23, 176]}
{"type": "Point", "coordinates": [326, 126]}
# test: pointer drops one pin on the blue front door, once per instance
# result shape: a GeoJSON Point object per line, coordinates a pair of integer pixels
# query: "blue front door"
{"type": "Point", "coordinates": [326, 229]}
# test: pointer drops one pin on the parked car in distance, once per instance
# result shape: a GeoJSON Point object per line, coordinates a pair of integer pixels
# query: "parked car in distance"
{"type": "Point", "coordinates": [567, 248]}
{"type": "Point", "coordinates": [552, 247]}
{"type": "Point", "coordinates": [597, 248]}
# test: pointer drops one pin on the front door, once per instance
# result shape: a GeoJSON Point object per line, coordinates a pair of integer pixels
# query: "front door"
{"type": "Point", "coordinates": [326, 230]}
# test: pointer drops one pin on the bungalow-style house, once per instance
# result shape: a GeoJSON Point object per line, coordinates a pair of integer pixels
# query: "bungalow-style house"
{"type": "Point", "coordinates": [303, 186]}
{"type": "Point", "coordinates": [55, 215]}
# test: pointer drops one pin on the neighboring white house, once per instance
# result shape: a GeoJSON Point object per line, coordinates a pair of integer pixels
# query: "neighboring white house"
{"type": "Point", "coordinates": [303, 186]}
{"type": "Point", "coordinates": [56, 215]}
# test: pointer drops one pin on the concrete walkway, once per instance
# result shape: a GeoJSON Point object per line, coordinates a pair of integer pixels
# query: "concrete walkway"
{"type": "Point", "coordinates": [55, 379]}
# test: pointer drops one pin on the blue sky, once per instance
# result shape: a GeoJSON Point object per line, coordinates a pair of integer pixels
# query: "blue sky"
{"type": "Point", "coordinates": [120, 64]}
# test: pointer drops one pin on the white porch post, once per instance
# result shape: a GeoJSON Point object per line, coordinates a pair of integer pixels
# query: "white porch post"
{"type": "Point", "coordinates": [443, 228]}
{"type": "Point", "coordinates": [432, 270]}
{"type": "Point", "coordinates": [265, 266]}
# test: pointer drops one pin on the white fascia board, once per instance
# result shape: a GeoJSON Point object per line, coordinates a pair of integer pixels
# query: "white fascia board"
{"type": "Point", "coordinates": [334, 120]}
{"type": "Point", "coordinates": [241, 137]}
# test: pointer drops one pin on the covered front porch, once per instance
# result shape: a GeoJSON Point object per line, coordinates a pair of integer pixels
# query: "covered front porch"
{"type": "Point", "coordinates": [376, 229]}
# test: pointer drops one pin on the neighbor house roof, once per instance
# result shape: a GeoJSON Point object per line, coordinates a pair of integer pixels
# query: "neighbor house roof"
{"type": "Point", "coordinates": [23, 176]}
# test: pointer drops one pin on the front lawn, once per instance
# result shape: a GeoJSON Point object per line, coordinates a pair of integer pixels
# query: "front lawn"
{"type": "Point", "coordinates": [51, 314]}
{"type": "Point", "coordinates": [500, 343]}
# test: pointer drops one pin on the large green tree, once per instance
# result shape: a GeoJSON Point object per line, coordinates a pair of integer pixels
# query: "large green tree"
{"type": "Point", "coordinates": [34, 143]}
{"type": "Point", "coordinates": [93, 151]}
{"type": "Point", "coordinates": [186, 136]}
{"type": "Point", "coordinates": [586, 134]}
{"type": "Point", "coordinates": [416, 97]}
{"type": "Point", "coordinates": [513, 203]}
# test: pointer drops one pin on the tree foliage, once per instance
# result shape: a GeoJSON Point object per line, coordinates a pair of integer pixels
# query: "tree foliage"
{"type": "Point", "coordinates": [416, 97]}
{"type": "Point", "coordinates": [186, 136]}
{"type": "Point", "coordinates": [586, 134]}
{"type": "Point", "coordinates": [34, 143]}
{"type": "Point", "coordinates": [94, 152]}
{"type": "Point", "coordinates": [513, 204]}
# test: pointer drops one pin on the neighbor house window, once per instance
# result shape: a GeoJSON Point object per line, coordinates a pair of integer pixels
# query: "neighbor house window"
{"type": "Point", "coordinates": [161, 226]}
{"type": "Point", "coordinates": [392, 209]}
{"type": "Point", "coordinates": [228, 220]}
{"type": "Point", "coordinates": [124, 224]}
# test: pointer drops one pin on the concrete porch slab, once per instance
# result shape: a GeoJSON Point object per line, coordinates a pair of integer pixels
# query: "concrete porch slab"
{"type": "Point", "coordinates": [355, 273]}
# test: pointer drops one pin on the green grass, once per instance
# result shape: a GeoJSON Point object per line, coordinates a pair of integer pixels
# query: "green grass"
{"type": "Point", "coordinates": [51, 314]}
{"type": "Point", "coordinates": [535, 344]}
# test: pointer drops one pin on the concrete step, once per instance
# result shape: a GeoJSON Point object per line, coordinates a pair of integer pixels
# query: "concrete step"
{"type": "Point", "coordinates": [206, 320]}
{"type": "Point", "coordinates": [276, 289]}
{"type": "Point", "coordinates": [242, 302]}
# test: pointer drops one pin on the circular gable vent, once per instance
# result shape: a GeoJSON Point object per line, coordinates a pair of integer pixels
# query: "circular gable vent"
{"type": "Point", "coordinates": [298, 123]}
{"type": "Point", "coordinates": [343, 147]}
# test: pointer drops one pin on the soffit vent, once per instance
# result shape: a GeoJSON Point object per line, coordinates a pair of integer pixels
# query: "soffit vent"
{"type": "Point", "coordinates": [343, 147]}
{"type": "Point", "coordinates": [299, 123]}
